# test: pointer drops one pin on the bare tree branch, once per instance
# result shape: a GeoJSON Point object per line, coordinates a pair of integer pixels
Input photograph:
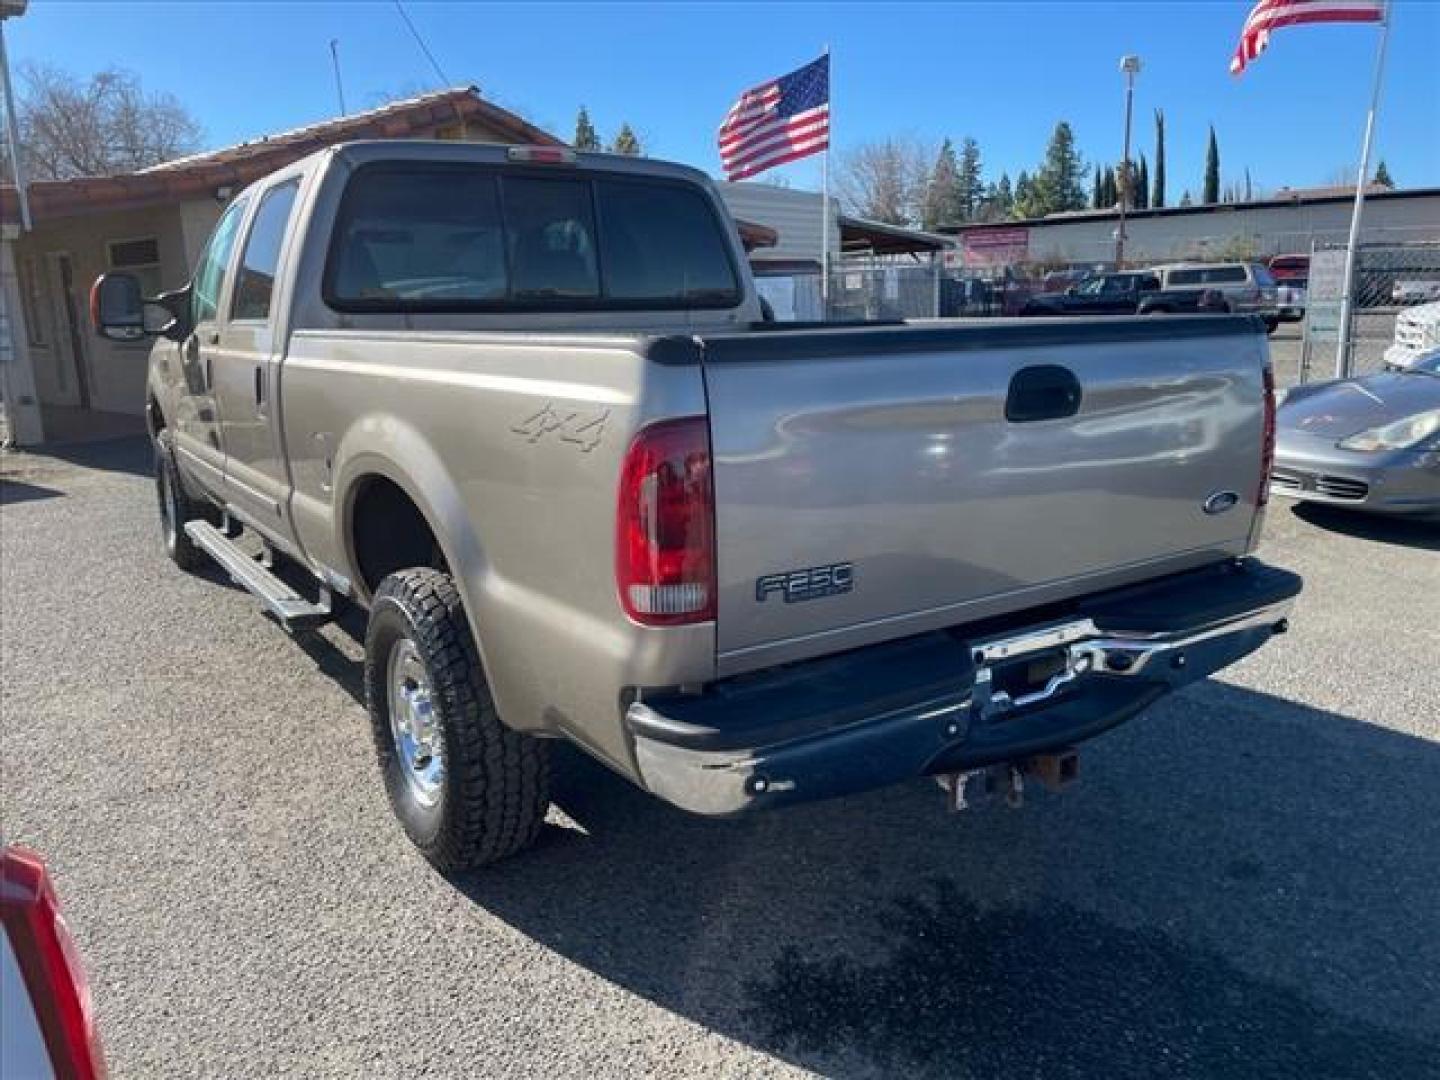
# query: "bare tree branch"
{"type": "Point", "coordinates": [885, 181]}
{"type": "Point", "coordinates": [72, 127]}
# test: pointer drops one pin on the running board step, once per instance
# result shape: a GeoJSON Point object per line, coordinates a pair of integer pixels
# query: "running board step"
{"type": "Point", "coordinates": [292, 610]}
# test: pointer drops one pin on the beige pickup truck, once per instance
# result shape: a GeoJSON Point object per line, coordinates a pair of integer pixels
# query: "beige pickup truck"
{"type": "Point", "coordinates": [524, 406]}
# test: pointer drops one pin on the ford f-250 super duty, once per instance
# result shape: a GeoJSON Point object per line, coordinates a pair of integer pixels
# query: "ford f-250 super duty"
{"type": "Point", "coordinates": [521, 404]}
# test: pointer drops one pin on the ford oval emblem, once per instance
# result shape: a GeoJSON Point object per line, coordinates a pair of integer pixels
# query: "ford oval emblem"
{"type": "Point", "coordinates": [1221, 501]}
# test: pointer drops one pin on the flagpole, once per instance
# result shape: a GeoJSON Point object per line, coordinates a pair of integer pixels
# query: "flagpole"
{"type": "Point", "coordinates": [825, 195]}
{"type": "Point", "coordinates": [1342, 346]}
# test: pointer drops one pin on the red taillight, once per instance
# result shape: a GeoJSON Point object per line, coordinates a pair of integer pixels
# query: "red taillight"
{"type": "Point", "coordinates": [665, 525]}
{"type": "Point", "coordinates": [49, 965]}
{"type": "Point", "coordinates": [1267, 450]}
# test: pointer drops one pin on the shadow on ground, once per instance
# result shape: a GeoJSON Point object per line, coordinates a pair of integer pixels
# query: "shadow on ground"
{"type": "Point", "coordinates": [1402, 531]}
{"type": "Point", "coordinates": [1241, 891]}
{"type": "Point", "coordinates": [128, 454]}
{"type": "Point", "coordinates": [18, 491]}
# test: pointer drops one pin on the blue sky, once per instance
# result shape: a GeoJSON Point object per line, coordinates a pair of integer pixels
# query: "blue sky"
{"type": "Point", "coordinates": [1001, 72]}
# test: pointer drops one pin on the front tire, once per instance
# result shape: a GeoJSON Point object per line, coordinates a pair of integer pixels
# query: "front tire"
{"type": "Point", "coordinates": [176, 506]}
{"type": "Point", "coordinates": [467, 789]}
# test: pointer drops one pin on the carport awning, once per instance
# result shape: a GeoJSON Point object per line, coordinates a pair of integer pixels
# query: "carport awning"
{"type": "Point", "coordinates": [861, 236]}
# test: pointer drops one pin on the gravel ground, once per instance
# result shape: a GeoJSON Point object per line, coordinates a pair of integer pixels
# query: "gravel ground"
{"type": "Point", "coordinates": [1243, 884]}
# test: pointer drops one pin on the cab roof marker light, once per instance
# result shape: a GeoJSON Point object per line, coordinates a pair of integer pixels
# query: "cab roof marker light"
{"type": "Point", "coordinates": [542, 155]}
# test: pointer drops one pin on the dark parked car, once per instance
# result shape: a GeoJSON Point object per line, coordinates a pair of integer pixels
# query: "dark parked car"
{"type": "Point", "coordinates": [1125, 293]}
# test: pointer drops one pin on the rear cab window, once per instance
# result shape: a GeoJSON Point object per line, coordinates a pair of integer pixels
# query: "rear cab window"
{"type": "Point", "coordinates": [455, 237]}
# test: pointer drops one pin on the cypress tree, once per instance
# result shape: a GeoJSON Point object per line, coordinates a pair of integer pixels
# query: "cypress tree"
{"type": "Point", "coordinates": [1157, 195]}
{"type": "Point", "coordinates": [585, 136]}
{"type": "Point", "coordinates": [1211, 191]}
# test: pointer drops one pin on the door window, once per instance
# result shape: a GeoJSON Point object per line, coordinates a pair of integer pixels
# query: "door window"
{"type": "Point", "coordinates": [210, 274]}
{"type": "Point", "coordinates": [255, 281]}
{"type": "Point", "coordinates": [1184, 277]}
{"type": "Point", "coordinates": [1225, 275]}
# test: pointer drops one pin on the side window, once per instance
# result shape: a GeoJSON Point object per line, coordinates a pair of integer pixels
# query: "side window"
{"type": "Point", "coordinates": [1119, 283]}
{"type": "Point", "coordinates": [1225, 275]}
{"type": "Point", "coordinates": [210, 274]}
{"type": "Point", "coordinates": [1184, 277]}
{"type": "Point", "coordinates": [255, 281]}
{"type": "Point", "coordinates": [1149, 283]}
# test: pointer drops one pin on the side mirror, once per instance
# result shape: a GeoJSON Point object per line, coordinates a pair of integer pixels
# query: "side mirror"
{"type": "Point", "coordinates": [1072, 291]}
{"type": "Point", "coordinates": [117, 309]}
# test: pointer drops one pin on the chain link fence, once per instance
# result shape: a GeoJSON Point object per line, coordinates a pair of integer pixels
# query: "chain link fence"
{"type": "Point", "coordinates": [1390, 278]}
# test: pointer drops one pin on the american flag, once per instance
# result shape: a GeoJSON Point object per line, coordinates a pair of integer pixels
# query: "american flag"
{"type": "Point", "coordinates": [778, 121]}
{"type": "Point", "coordinates": [1270, 15]}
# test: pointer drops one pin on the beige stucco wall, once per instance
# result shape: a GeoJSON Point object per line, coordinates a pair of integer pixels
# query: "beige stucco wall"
{"type": "Point", "coordinates": [115, 372]}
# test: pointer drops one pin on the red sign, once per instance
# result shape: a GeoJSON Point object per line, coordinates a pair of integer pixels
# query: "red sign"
{"type": "Point", "coordinates": [996, 247]}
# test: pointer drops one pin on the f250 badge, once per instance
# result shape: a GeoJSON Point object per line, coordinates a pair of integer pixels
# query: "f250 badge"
{"type": "Point", "coordinates": [810, 584]}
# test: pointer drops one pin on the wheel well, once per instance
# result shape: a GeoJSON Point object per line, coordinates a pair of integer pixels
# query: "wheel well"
{"type": "Point", "coordinates": [154, 417]}
{"type": "Point", "coordinates": [388, 532]}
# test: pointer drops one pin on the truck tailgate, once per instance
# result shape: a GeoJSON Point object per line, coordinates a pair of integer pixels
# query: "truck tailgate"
{"type": "Point", "coordinates": [876, 482]}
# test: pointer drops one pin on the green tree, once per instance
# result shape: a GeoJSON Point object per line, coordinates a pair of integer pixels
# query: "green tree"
{"type": "Point", "coordinates": [1157, 193]}
{"type": "Point", "coordinates": [1025, 204]}
{"type": "Point", "coordinates": [943, 202]}
{"type": "Point", "coordinates": [1142, 185]}
{"type": "Point", "coordinates": [1058, 184]}
{"type": "Point", "coordinates": [1097, 191]}
{"type": "Point", "coordinates": [1112, 187]}
{"type": "Point", "coordinates": [626, 142]}
{"type": "Point", "coordinates": [1185, 199]}
{"type": "Point", "coordinates": [585, 136]}
{"type": "Point", "coordinates": [1382, 175]}
{"type": "Point", "coordinates": [971, 183]}
{"type": "Point", "coordinates": [1004, 205]}
{"type": "Point", "coordinates": [1210, 193]}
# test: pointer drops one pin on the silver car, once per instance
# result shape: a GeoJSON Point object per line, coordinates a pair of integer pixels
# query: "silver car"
{"type": "Point", "coordinates": [1371, 443]}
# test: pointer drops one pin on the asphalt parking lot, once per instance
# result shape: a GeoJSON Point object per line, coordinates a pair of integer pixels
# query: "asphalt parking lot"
{"type": "Point", "coordinates": [1244, 883]}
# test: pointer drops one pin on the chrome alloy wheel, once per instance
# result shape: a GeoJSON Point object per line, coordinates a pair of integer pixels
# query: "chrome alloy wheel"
{"type": "Point", "coordinates": [414, 726]}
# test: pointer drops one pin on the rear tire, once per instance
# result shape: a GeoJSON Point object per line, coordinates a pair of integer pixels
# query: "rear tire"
{"type": "Point", "coordinates": [467, 789]}
{"type": "Point", "coordinates": [176, 506]}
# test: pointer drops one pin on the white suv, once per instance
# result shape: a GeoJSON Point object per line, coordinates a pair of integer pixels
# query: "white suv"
{"type": "Point", "coordinates": [1247, 287]}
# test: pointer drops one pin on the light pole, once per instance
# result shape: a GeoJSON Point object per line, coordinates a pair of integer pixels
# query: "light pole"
{"type": "Point", "coordinates": [1130, 65]}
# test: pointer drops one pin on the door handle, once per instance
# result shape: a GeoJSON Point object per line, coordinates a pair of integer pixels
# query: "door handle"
{"type": "Point", "coordinates": [213, 338]}
{"type": "Point", "coordinates": [259, 390]}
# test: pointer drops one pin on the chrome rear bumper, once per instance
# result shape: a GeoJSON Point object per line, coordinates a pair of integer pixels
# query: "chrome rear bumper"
{"type": "Point", "coordinates": [966, 713]}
